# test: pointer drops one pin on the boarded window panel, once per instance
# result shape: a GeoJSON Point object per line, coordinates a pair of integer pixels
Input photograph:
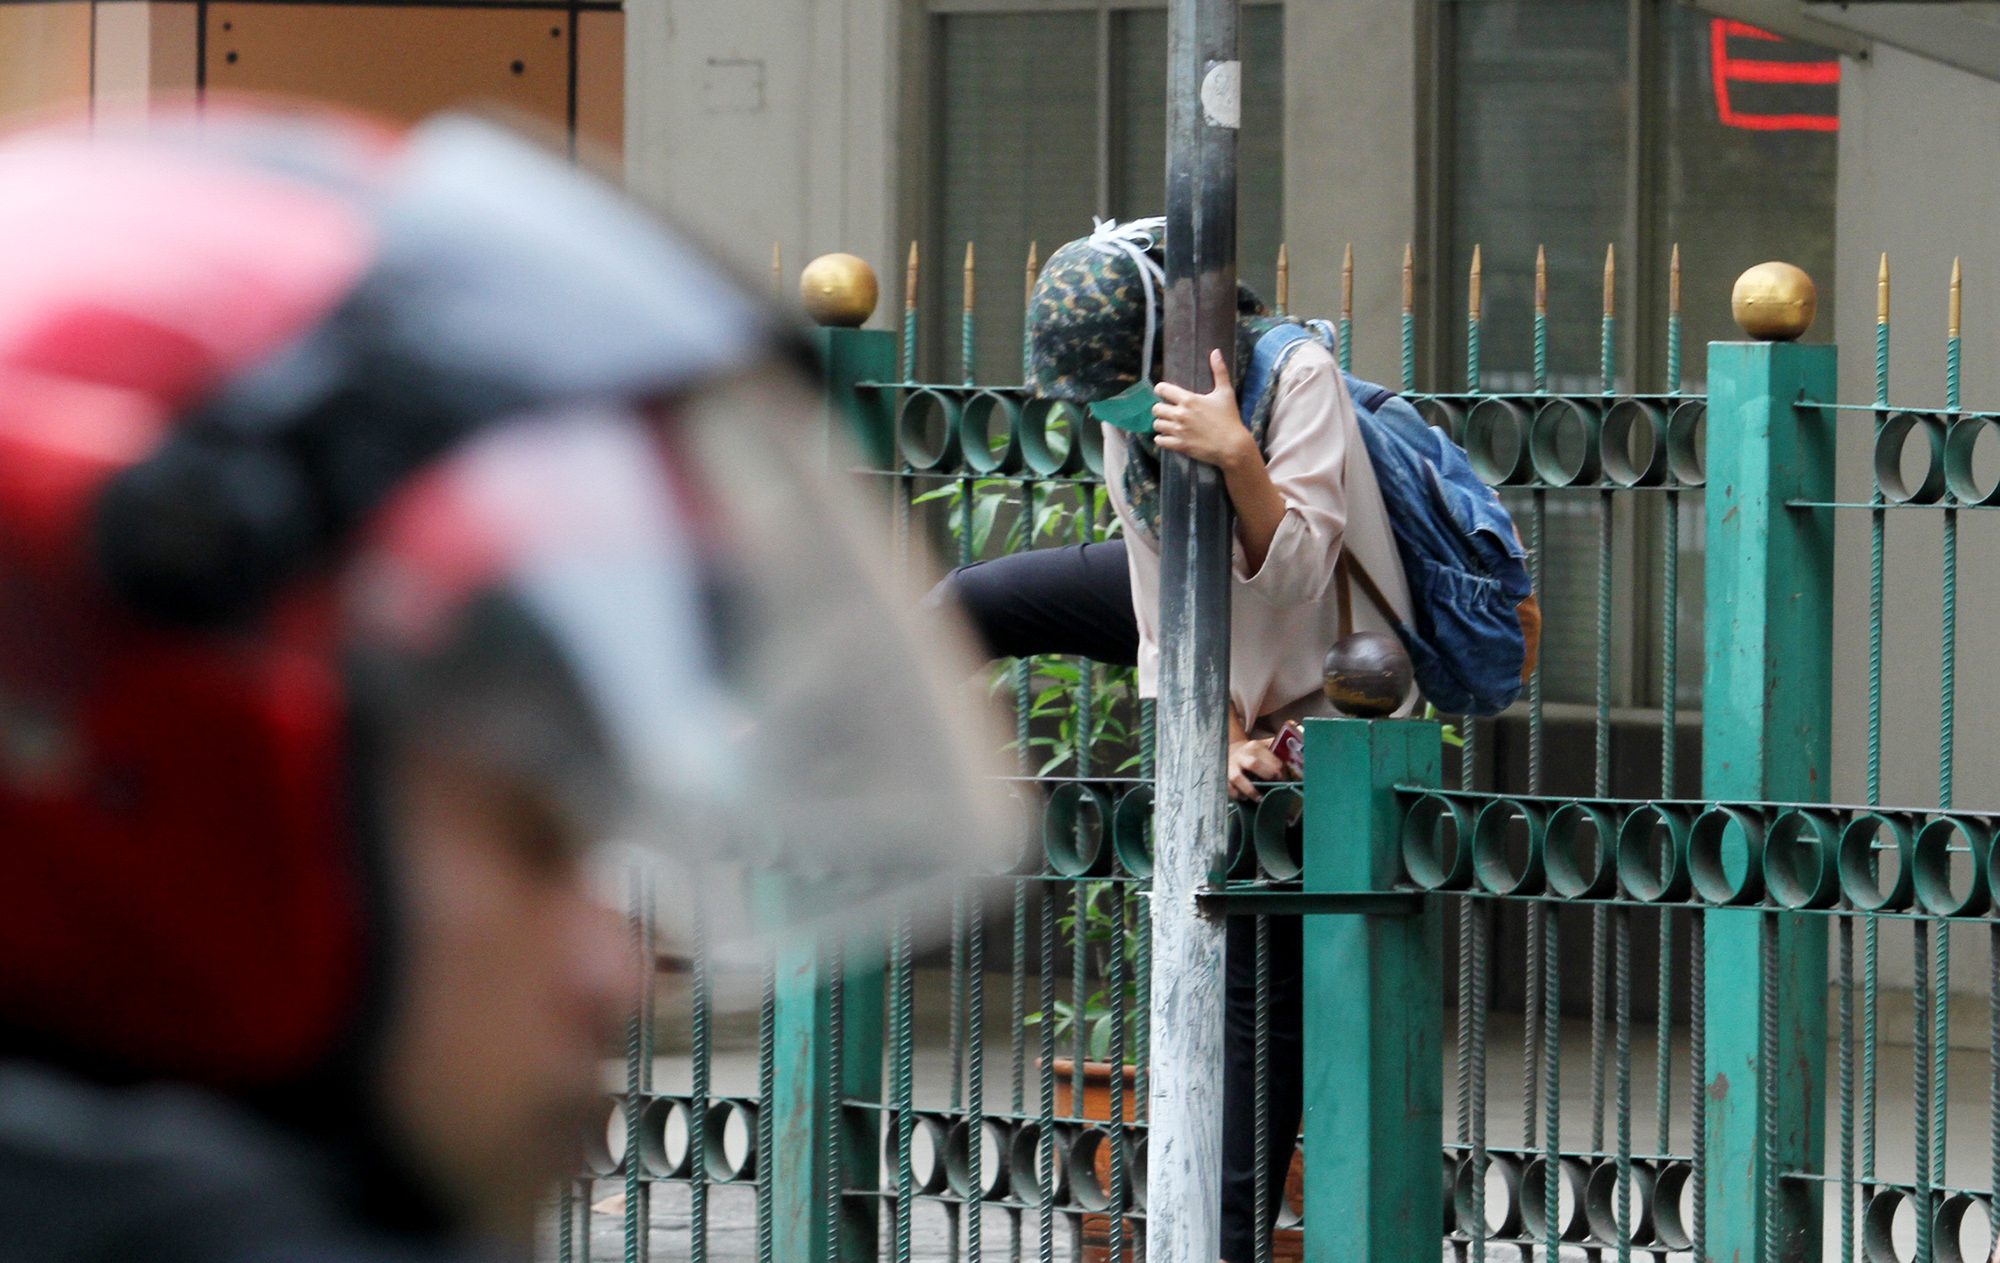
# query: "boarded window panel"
{"type": "Point", "coordinates": [44, 56]}
{"type": "Point", "coordinates": [1019, 164]}
{"type": "Point", "coordinates": [402, 62]}
{"type": "Point", "coordinates": [600, 89]}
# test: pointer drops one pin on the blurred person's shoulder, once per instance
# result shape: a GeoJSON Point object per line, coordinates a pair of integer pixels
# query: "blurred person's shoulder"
{"type": "Point", "coordinates": [165, 1173]}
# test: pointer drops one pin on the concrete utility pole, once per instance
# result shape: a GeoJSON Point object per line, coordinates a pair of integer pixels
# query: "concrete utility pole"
{"type": "Point", "coordinates": [1184, 1190]}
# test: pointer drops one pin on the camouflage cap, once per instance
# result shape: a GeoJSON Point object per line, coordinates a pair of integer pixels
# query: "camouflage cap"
{"type": "Point", "coordinates": [1087, 317]}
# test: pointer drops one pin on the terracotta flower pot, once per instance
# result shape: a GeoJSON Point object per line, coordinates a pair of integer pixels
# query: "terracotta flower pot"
{"type": "Point", "coordinates": [1287, 1244]}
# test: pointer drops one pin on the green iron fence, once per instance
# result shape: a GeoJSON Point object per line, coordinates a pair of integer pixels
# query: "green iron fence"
{"type": "Point", "coordinates": [1466, 896]}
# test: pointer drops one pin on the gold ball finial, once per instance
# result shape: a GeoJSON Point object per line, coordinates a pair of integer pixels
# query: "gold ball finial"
{"type": "Point", "coordinates": [838, 289]}
{"type": "Point", "coordinates": [1774, 302]}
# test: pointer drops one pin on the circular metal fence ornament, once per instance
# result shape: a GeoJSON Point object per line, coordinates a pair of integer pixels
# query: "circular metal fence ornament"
{"type": "Point", "coordinates": [1890, 441]}
{"type": "Point", "coordinates": [1503, 1169]}
{"type": "Point", "coordinates": [600, 1156]}
{"type": "Point", "coordinates": [1050, 431]}
{"type": "Point", "coordinates": [1502, 866]}
{"type": "Point", "coordinates": [1653, 853]}
{"type": "Point", "coordinates": [1496, 442]}
{"type": "Point", "coordinates": [1437, 843]}
{"type": "Point", "coordinates": [1687, 442]}
{"type": "Point", "coordinates": [989, 434]}
{"type": "Point", "coordinates": [1601, 1202]}
{"type": "Point", "coordinates": [663, 1147]}
{"type": "Point", "coordinates": [1801, 853]}
{"type": "Point", "coordinates": [1132, 831]}
{"type": "Point", "coordinates": [1726, 855]}
{"type": "Point", "coordinates": [839, 290]}
{"type": "Point", "coordinates": [1563, 443]}
{"type": "Point", "coordinates": [1940, 892]}
{"type": "Point", "coordinates": [992, 1180]}
{"type": "Point", "coordinates": [1774, 302]}
{"type": "Point", "coordinates": [1280, 833]}
{"type": "Point", "coordinates": [1368, 674]}
{"type": "Point", "coordinates": [1961, 446]}
{"type": "Point", "coordinates": [1862, 853]}
{"type": "Point", "coordinates": [1073, 826]}
{"type": "Point", "coordinates": [721, 1168]}
{"type": "Point", "coordinates": [927, 431]}
{"type": "Point", "coordinates": [1572, 872]}
{"type": "Point", "coordinates": [1632, 444]}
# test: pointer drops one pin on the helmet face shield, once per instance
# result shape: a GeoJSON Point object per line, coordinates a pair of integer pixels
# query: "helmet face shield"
{"type": "Point", "coordinates": [688, 634]}
{"type": "Point", "coordinates": [326, 445]}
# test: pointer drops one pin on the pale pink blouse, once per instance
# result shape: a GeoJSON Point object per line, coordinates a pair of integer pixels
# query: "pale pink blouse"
{"type": "Point", "coordinates": [1285, 617]}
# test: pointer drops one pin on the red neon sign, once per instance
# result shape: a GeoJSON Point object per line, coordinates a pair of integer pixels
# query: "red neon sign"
{"type": "Point", "coordinates": [1729, 70]}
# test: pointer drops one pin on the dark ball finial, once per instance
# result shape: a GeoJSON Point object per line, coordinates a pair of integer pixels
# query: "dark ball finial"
{"type": "Point", "coordinates": [1368, 674]}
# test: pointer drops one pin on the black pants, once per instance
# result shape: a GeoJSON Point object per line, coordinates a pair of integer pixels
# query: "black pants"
{"type": "Point", "coordinates": [1241, 1149]}
{"type": "Point", "coordinates": [1051, 600]}
{"type": "Point", "coordinates": [1078, 600]}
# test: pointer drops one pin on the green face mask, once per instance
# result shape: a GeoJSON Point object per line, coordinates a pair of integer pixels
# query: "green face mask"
{"type": "Point", "coordinates": [1130, 409]}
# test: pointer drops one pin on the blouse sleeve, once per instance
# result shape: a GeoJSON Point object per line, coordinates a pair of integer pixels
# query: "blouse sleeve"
{"type": "Point", "coordinates": [1312, 422]}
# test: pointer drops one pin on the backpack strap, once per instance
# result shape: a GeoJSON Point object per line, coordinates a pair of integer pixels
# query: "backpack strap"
{"type": "Point", "coordinates": [1347, 570]}
{"type": "Point", "coordinates": [1266, 359]}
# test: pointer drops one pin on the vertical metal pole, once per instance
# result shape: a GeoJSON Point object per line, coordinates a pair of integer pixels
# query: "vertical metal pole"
{"type": "Point", "coordinates": [1204, 81]}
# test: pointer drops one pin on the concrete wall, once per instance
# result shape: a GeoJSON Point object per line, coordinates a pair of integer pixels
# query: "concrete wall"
{"type": "Point", "coordinates": [762, 121]}
{"type": "Point", "coordinates": [1919, 178]}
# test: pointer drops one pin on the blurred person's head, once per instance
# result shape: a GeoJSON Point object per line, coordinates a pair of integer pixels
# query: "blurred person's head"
{"type": "Point", "coordinates": [388, 524]}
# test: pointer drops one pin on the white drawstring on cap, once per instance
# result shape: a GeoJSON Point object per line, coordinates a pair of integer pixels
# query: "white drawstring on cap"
{"type": "Point", "coordinates": [1133, 239]}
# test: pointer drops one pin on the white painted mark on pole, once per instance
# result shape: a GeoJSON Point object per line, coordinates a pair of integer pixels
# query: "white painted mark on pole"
{"type": "Point", "coordinates": [1222, 94]}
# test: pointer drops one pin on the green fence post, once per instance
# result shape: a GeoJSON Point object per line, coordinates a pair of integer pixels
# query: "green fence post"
{"type": "Point", "coordinates": [1374, 1013]}
{"type": "Point", "coordinates": [807, 1017]}
{"type": "Point", "coordinates": [811, 1219]}
{"type": "Point", "coordinates": [1766, 715]}
{"type": "Point", "coordinates": [862, 355]}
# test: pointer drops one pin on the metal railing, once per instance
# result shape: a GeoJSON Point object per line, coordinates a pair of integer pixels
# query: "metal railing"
{"type": "Point", "coordinates": [986, 1099]}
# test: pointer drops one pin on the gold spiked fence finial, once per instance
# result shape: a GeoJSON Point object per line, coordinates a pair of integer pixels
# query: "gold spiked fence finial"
{"type": "Point", "coordinates": [1610, 279]}
{"type": "Point", "coordinates": [1674, 282]}
{"type": "Point", "coordinates": [1409, 279]}
{"type": "Point", "coordinates": [1541, 281]}
{"type": "Point", "coordinates": [1474, 303]}
{"type": "Point", "coordinates": [1284, 280]}
{"type": "Point", "coordinates": [1034, 272]}
{"type": "Point", "coordinates": [1882, 290]}
{"type": "Point", "coordinates": [1347, 283]}
{"type": "Point", "coordinates": [1957, 297]}
{"type": "Point", "coordinates": [969, 272]}
{"type": "Point", "coordinates": [910, 280]}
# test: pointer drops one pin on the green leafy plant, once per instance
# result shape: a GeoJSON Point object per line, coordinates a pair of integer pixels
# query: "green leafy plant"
{"type": "Point", "coordinates": [1104, 904]}
{"type": "Point", "coordinates": [1114, 696]}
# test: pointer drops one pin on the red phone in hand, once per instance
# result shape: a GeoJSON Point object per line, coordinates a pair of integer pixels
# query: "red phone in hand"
{"type": "Point", "coordinates": [1290, 747]}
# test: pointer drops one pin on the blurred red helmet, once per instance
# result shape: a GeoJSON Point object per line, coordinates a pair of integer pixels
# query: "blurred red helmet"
{"type": "Point", "coordinates": [283, 400]}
